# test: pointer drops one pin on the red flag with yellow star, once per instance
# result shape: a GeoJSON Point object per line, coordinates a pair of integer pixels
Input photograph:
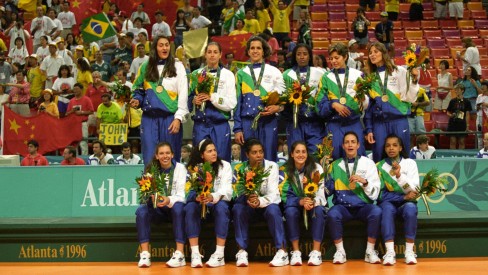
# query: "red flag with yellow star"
{"type": "Point", "coordinates": [234, 44]}
{"type": "Point", "coordinates": [51, 133]}
{"type": "Point", "coordinates": [83, 9]}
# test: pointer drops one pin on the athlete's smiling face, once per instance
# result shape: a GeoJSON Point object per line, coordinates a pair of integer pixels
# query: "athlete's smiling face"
{"type": "Point", "coordinates": [163, 48]}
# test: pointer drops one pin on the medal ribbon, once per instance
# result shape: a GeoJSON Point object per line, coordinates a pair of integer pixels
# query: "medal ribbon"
{"type": "Point", "coordinates": [167, 189]}
{"type": "Point", "coordinates": [253, 76]}
{"type": "Point", "coordinates": [356, 158]}
{"type": "Point", "coordinates": [297, 184]}
{"type": "Point", "coordinates": [384, 84]}
{"type": "Point", "coordinates": [216, 80]}
{"type": "Point", "coordinates": [342, 89]}
{"type": "Point", "coordinates": [301, 79]}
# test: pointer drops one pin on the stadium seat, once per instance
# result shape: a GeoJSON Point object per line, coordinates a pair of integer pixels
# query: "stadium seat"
{"type": "Point", "coordinates": [454, 50]}
{"type": "Point", "coordinates": [427, 6]}
{"type": "Point", "coordinates": [321, 52]}
{"type": "Point", "coordinates": [483, 33]}
{"type": "Point", "coordinates": [484, 62]}
{"type": "Point", "coordinates": [436, 43]}
{"type": "Point", "coordinates": [454, 42]}
{"type": "Point", "coordinates": [481, 23]}
{"type": "Point", "coordinates": [484, 74]}
{"type": "Point", "coordinates": [336, 7]}
{"type": "Point", "coordinates": [429, 24]}
{"type": "Point", "coordinates": [318, 8]}
{"type": "Point", "coordinates": [320, 35]}
{"type": "Point", "coordinates": [440, 53]}
{"type": "Point", "coordinates": [337, 25]}
{"type": "Point", "coordinates": [409, 34]}
{"type": "Point", "coordinates": [350, 15]}
{"type": "Point", "coordinates": [483, 52]}
{"type": "Point", "coordinates": [447, 24]}
{"type": "Point", "coordinates": [465, 24]}
{"type": "Point", "coordinates": [474, 6]}
{"type": "Point", "coordinates": [473, 33]}
{"type": "Point", "coordinates": [478, 14]}
{"type": "Point", "coordinates": [429, 34]}
{"type": "Point", "coordinates": [352, 7]}
{"type": "Point", "coordinates": [401, 44]}
{"type": "Point", "coordinates": [338, 35]}
{"type": "Point", "coordinates": [428, 15]}
{"type": "Point", "coordinates": [337, 16]}
{"type": "Point", "coordinates": [320, 44]}
{"type": "Point", "coordinates": [398, 34]}
{"type": "Point", "coordinates": [373, 25]}
{"type": "Point", "coordinates": [373, 15]}
{"type": "Point", "coordinates": [438, 60]}
{"type": "Point", "coordinates": [320, 25]}
{"type": "Point", "coordinates": [411, 25]}
{"type": "Point", "coordinates": [404, 15]}
{"type": "Point", "coordinates": [404, 7]}
{"type": "Point", "coordinates": [418, 42]}
{"type": "Point", "coordinates": [319, 16]}
{"type": "Point", "coordinates": [451, 33]}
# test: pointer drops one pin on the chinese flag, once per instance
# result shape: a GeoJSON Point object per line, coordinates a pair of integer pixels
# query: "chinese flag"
{"type": "Point", "coordinates": [83, 9]}
{"type": "Point", "coordinates": [51, 133]}
{"type": "Point", "coordinates": [234, 44]}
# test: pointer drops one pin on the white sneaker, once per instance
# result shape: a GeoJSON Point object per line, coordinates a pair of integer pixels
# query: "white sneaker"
{"type": "Point", "coordinates": [371, 257]}
{"type": "Point", "coordinates": [196, 260]}
{"type": "Point", "coordinates": [280, 259]}
{"type": "Point", "coordinates": [177, 260]}
{"type": "Point", "coordinates": [216, 260]}
{"type": "Point", "coordinates": [145, 260]}
{"type": "Point", "coordinates": [339, 257]}
{"type": "Point", "coordinates": [410, 257]}
{"type": "Point", "coordinates": [296, 258]}
{"type": "Point", "coordinates": [241, 258]}
{"type": "Point", "coordinates": [315, 258]}
{"type": "Point", "coordinates": [389, 258]}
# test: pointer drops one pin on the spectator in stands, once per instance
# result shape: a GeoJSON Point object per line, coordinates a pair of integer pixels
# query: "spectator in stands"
{"type": "Point", "coordinates": [440, 9]}
{"type": "Point", "coordinates": [188, 9]}
{"type": "Point", "coordinates": [33, 158]}
{"type": "Point", "coordinates": [51, 13]}
{"type": "Point", "coordinates": [19, 95]}
{"type": "Point", "coordinates": [127, 156]}
{"type": "Point", "coordinates": [300, 170]}
{"type": "Point", "coordinates": [139, 60]}
{"type": "Point", "coordinates": [84, 75]}
{"type": "Point", "coordinates": [160, 27]}
{"type": "Point", "coordinates": [239, 12]}
{"type": "Point", "coordinates": [213, 121]}
{"type": "Point", "coordinates": [384, 32]}
{"type": "Point", "coordinates": [416, 119]}
{"type": "Point", "coordinates": [55, 5]}
{"type": "Point", "coordinates": [281, 18]}
{"type": "Point", "coordinates": [367, 4]}
{"type": "Point", "coordinates": [483, 153]}
{"type": "Point", "coordinates": [102, 67]}
{"type": "Point", "coordinates": [416, 12]}
{"type": "Point", "coordinates": [456, 9]}
{"type": "Point", "coordinates": [262, 15]}
{"type": "Point", "coordinates": [162, 116]}
{"type": "Point", "coordinates": [66, 54]}
{"type": "Point", "coordinates": [459, 111]}
{"type": "Point", "coordinates": [358, 173]}
{"type": "Point", "coordinates": [282, 64]}
{"type": "Point", "coordinates": [41, 26]}
{"type": "Point", "coordinates": [67, 18]}
{"type": "Point", "coordinates": [63, 88]}
{"type": "Point", "coordinates": [320, 62]}
{"type": "Point", "coordinates": [16, 30]}
{"type": "Point", "coordinates": [355, 59]}
{"type": "Point", "coordinates": [423, 150]}
{"type": "Point", "coordinates": [179, 26]}
{"type": "Point", "coordinates": [140, 13]}
{"type": "Point", "coordinates": [48, 105]}
{"type": "Point", "coordinates": [229, 58]}
{"type": "Point", "coordinates": [273, 45]}
{"type": "Point", "coordinates": [236, 153]}
{"type": "Point", "coordinates": [360, 26]}
{"type": "Point", "coordinates": [170, 208]}
{"type": "Point", "coordinates": [425, 79]}
{"type": "Point", "coordinates": [199, 21]}
{"type": "Point", "coordinates": [390, 105]}
{"type": "Point", "coordinates": [100, 155]}
{"type": "Point", "coordinates": [108, 112]}
{"type": "Point", "coordinates": [81, 105]}
{"type": "Point", "coordinates": [304, 25]}
{"type": "Point", "coordinates": [36, 79]}
{"type": "Point", "coordinates": [482, 109]}
{"type": "Point", "coordinates": [5, 70]}
{"type": "Point", "coordinates": [185, 154]}
{"type": "Point", "coordinates": [138, 28]}
{"type": "Point", "coordinates": [70, 158]}
{"type": "Point", "coordinates": [226, 17]}
{"type": "Point", "coordinates": [43, 48]}
{"type": "Point", "coordinates": [143, 40]}
{"type": "Point", "coordinates": [125, 22]}
{"type": "Point", "coordinates": [392, 7]}
{"type": "Point", "coordinates": [239, 28]}
{"type": "Point", "coordinates": [122, 53]}
{"type": "Point", "coordinates": [107, 47]}
{"type": "Point", "coordinates": [251, 25]}
{"type": "Point", "coordinates": [265, 204]}
{"type": "Point", "coordinates": [217, 202]}
{"type": "Point", "coordinates": [18, 53]}
{"type": "Point", "coordinates": [71, 43]}
{"type": "Point", "coordinates": [399, 181]}
{"type": "Point", "coordinates": [470, 55]}
{"type": "Point", "coordinates": [472, 86]}
{"type": "Point", "coordinates": [310, 127]}
{"type": "Point", "coordinates": [443, 92]}
{"type": "Point", "coordinates": [250, 87]}
{"type": "Point", "coordinates": [50, 65]}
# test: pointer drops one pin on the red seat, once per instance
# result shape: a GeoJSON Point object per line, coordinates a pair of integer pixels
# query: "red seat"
{"type": "Point", "coordinates": [429, 24]}
{"type": "Point", "coordinates": [319, 35]}
{"type": "Point", "coordinates": [398, 34]}
{"type": "Point", "coordinates": [484, 62]}
{"type": "Point", "coordinates": [336, 7]}
{"type": "Point", "coordinates": [440, 120]}
{"type": "Point", "coordinates": [476, 14]}
{"type": "Point", "coordinates": [337, 16]}
{"type": "Point", "coordinates": [337, 25]}
{"type": "Point", "coordinates": [318, 8]}
{"type": "Point", "coordinates": [352, 7]}
{"type": "Point", "coordinates": [481, 23]}
{"type": "Point", "coordinates": [440, 53]}
{"type": "Point", "coordinates": [338, 35]}
{"type": "Point", "coordinates": [469, 33]}
{"type": "Point", "coordinates": [454, 42]}
{"type": "Point", "coordinates": [429, 34]}
{"type": "Point", "coordinates": [373, 15]}
{"type": "Point", "coordinates": [411, 25]}
{"type": "Point", "coordinates": [427, 6]}
{"type": "Point", "coordinates": [483, 51]}
{"type": "Point", "coordinates": [429, 15]}
{"type": "Point", "coordinates": [436, 43]}
{"type": "Point", "coordinates": [401, 44]}
{"type": "Point", "coordinates": [451, 33]}
{"type": "Point", "coordinates": [320, 25]}
{"type": "Point", "coordinates": [447, 24]}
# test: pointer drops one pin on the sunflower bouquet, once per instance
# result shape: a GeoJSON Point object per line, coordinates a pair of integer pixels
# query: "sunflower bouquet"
{"type": "Point", "coordinates": [272, 98]}
{"type": "Point", "coordinates": [121, 91]}
{"type": "Point", "coordinates": [362, 88]}
{"type": "Point", "coordinates": [250, 180]}
{"type": "Point", "coordinates": [205, 84]}
{"type": "Point", "coordinates": [324, 151]}
{"type": "Point", "coordinates": [298, 93]}
{"type": "Point", "coordinates": [153, 184]}
{"type": "Point", "coordinates": [200, 180]}
{"type": "Point", "coordinates": [432, 182]}
{"type": "Point", "coordinates": [310, 188]}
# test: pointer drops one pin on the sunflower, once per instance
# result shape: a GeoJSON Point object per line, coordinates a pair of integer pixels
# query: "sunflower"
{"type": "Point", "coordinates": [206, 189]}
{"type": "Point", "coordinates": [296, 98]}
{"type": "Point", "coordinates": [144, 182]}
{"type": "Point", "coordinates": [410, 59]}
{"type": "Point", "coordinates": [311, 189]}
{"type": "Point", "coordinates": [250, 186]}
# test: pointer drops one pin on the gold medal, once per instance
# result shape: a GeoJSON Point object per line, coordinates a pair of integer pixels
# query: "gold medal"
{"type": "Point", "coordinates": [342, 100]}
{"type": "Point", "coordinates": [384, 98]}
{"type": "Point", "coordinates": [392, 172]}
{"type": "Point", "coordinates": [352, 185]}
{"type": "Point", "coordinates": [159, 89]}
{"type": "Point", "coordinates": [257, 92]}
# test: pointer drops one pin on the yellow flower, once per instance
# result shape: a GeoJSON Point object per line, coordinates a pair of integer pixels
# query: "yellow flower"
{"type": "Point", "coordinates": [250, 186]}
{"type": "Point", "coordinates": [311, 189]}
{"type": "Point", "coordinates": [206, 189]}
{"type": "Point", "coordinates": [410, 59]}
{"type": "Point", "coordinates": [296, 98]}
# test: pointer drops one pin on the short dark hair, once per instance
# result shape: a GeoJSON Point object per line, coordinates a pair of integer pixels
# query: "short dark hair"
{"type": "Point", "coordinates": [350, 133]}
{"type": "Point", "coordinates": [71, 150]}
{"type": "Point", "coordinates": [125, 144]}
{"type": "Point", "coordinates": [266, 47]}
{"type": "Point", "coordinates": [33, 142]}
{"type": "Point", "coordinates": [250, 143]}
{"type": "Point", "coordinates": [421, 139]}
{"type": "Point", "coordinates": [107, 95]}
{"type": "Point", "coordinates": [446, 64]}
{"type": "Point", "coordinates": [79, 85]}
{"type": "Point", "coordinates": [102, 145]}
{"type": "Point", "coordinates": [339, 48]}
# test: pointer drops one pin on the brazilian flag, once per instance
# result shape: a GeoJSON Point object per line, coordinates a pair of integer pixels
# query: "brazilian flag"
{"type": "Point", "coordinates": [96, 27]}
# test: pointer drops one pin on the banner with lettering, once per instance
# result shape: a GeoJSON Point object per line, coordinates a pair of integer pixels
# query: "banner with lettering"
{"type": "Point", "coordinates": [113, 134]}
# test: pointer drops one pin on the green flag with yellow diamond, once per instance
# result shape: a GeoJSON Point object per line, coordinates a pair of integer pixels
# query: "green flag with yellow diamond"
{"type": "Point", "coordinates": [96, 27]}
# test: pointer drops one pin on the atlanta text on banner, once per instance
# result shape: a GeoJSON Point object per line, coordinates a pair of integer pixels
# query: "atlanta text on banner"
{"type": "Point", "coordinates": [96, 27]}
{"type": "Point", "coordinates": [113, 134]}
